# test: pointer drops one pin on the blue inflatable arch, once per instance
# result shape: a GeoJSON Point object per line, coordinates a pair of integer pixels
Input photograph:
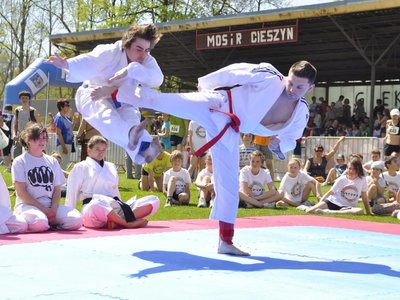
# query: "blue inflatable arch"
{"type": "Point", "coordinates": [34, 79]}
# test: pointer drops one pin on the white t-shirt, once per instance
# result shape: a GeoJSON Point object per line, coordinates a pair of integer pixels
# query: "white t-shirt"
{"type": "Point", "coordinates": [392, 182]}
{"type": "Point", "coordinates": [205, 173]}
{"type": "Point", "coordinates": [40, 175]}
{"type": "Point", "coordinates": [293, 186]}
{"type": "Point", "coordinates": [183, 179]}
{"type": "Point", "coordinates": [198, 135]}
{"type": "Point", "coordinates": [346, 192]}
{"type": "Point", "coordinates": [381, 181]}
{"type": "Point", "coordinates": [256, 183]}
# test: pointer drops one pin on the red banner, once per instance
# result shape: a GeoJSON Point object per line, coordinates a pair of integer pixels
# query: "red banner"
{"type": "Point", "coordinates": [247, 37]}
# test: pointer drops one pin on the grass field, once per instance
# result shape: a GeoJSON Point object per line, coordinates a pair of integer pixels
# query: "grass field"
{"type": "Point", "coordinates": [128, 188]}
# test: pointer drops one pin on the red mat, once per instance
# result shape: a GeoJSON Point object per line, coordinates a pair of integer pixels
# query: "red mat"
{"type": "Point", "coordinates": [181, 225]}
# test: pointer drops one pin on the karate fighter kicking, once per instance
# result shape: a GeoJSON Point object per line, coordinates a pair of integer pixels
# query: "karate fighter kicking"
{"type": "Point", "coordinates": [242, 97]}
{"type": "Point", "coordinates": [118, 122]}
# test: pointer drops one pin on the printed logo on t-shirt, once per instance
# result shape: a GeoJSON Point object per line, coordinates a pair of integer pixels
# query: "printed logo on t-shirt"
{"type": "Point", "coordinates": [41, 177]}
{"type": "Point", "coordinates": [180, 186]}
{"type": "Point", "coordinates": [296, 190]}
{"type": "Point", "coordinates": [349, 193]}
{"type": "Point", "coordinates": [393, 130]}
{"type": "Point", "coordinates": [393, 186]}
{"type": "Point", "coordinates": [201, 132]}
{"type": "Point", "coordinates": [257, 188]}
{"type": "Point", "coordinates": [174, 128]}
{"type": "Point", "coordinates": [158, 169]}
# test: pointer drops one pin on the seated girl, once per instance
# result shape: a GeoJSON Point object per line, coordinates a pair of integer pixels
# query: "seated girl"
{"type": "Point", "coordinates": [253, 179]}
{"type": "Point", "coordinates": [296, 185]}
{"type": "Point", "coordinates": [94, 181]}
{"type": "Point", "coordinates": [205, 183]}
{"type": "Point", "coordinates": [343, 196]}
{"type": "Point", "coordinates": [38, 178]}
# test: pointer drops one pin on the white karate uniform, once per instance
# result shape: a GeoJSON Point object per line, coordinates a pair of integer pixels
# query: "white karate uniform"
{"type": "Point", "coordinates": [261, 86]}
{"type": "Point", "coordinates": [88, 179]}
{"type": "Point", "coordinates": [95, 68]}
{"type": "Point", "coordinates": [41, 175]}
{"type": "Point", "coordinates": [9, 223]}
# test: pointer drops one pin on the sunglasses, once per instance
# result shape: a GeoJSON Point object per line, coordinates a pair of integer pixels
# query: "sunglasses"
{"type": "Point", "coordinates": [318, 150]}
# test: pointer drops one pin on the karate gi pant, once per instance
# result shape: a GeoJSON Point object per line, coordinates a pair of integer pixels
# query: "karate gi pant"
{"type": "Point", "coordinates": [113, 123]}
{"type": "Point", "coordinates": [66, 218]}
{"type": "Point", "coordinates": [96, 211]}
{"type": "Point", "coordinates": [10, 223]}
{"type": "Point", "coordinates": [225, 153]}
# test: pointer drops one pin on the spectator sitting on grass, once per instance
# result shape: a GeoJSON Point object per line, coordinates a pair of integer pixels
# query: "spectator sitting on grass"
{"type": "Point", "coordinates": [337, 171]}
{"type": "Point", "coordinates": [296, 185]}
{"type": "Point", "coordinates": [252, 181]}
{"type": "Point", "coordinates": [176, 181]}
{"type": "Point", "coordinates": [375, 156]}
{"type": "Point", "coordinates": [376, 184]}
{"type": "Point", "coordinates": [205, 183]}
{"type": "Point", "coordinates": [343, 196]}
{"type": "Point", "coordinates": [391, 177]}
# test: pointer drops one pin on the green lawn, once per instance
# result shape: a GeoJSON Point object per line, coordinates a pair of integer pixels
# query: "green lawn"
{"type": "Point", "coordinates": [128, 188]}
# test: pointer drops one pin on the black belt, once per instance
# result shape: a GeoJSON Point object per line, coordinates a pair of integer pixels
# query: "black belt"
{"type": "Point", "coordinates": [128, 213]}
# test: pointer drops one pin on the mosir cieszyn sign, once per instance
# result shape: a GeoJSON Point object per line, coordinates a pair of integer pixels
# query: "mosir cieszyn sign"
{"type": "Point", "coordinates": [247, 37]}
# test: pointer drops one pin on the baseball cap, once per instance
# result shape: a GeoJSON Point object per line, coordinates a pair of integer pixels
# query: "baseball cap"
{"type": "Point", "coordinates": [378, 165]}
{"type": "Point", "coordinates": [340, 156]}
{"type": "Point", "coordinates": [394, 112]}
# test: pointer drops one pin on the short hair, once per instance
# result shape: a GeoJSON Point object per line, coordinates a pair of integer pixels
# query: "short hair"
{"type": "Point", "coordinates": [376, 151]}
{"type": "Point", "coordinates": [176, 154]}
{"type": "Point", "coordinates": [304, 69]}
{"type": "Point", "coordinates": [147, 32]}
{"type": "Point", "coordinates": [96, 139]}
{"type": "Point", "coordinates": [61, 103]}
{"type": "Point", "coordinates": [24, 93]}
{"type": "Point", "coordinates": [357, 165]}
{"type": "Point", "coordinates": [32, 131]}
{"type": "Point", "coordinates": [8, 107]}
{"type": "Point", "coordinates": [257, 153]}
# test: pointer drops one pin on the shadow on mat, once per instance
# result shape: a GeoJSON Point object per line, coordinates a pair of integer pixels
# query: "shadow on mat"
{"type": "Point", "coordinates": [181, 261]}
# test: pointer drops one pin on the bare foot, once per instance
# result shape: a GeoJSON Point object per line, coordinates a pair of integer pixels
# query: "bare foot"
{"type": "Point", "coordinates": [153, 151]}
{"type": "Point", "coordinates": [224, 248]}
{"type": "Point", "coordinates": [135, 133]}
{"type": "Point", "coordinates": [101, 92]}
{"type": "Point", "coordinates": [139, 223]}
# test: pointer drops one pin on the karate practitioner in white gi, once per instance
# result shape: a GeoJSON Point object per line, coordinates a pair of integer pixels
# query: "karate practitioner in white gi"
{"type": "Point", "coordinates": [117, 121]}
{"type": "Point", "coordinates": [9, 223]}
{"type": "Point", "coordinates": [95, 182]}
{"type": "Point", "coordinates": [265, 102]}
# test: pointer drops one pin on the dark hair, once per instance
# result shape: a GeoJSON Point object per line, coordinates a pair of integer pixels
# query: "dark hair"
{"type": "Point", "coordinates": [390, 160]}
{"type": "Point", "coordinates": [24, 93]}
{"type": "Point", "coordinates": [8, 107]}
{"type": "Point", "coordinates": [146, 32]}
{"type": "Point", "coordinates": [61, 103]}
{"type": "Point", "coordinates": [356, 163]}
{"type": "Point", "coordinates": [304, 69]}
{"type": "Point", "coordinates": [32, 131]}
{"type": "Point", "coordinates": [376, 151]}
{"type": "Point", "coordinates": [318, 147]}
{"type": "Point", "coordinates": [96, 139]}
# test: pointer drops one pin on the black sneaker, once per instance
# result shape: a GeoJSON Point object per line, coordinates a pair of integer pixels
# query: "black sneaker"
{"type": "Point", "coordinates": [168, 203]}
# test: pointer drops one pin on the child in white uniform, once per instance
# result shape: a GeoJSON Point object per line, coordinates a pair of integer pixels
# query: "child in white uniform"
{"type": "Point", "coordinates": [38, 178]}
{"type": "Point", "coordinates": [9, 223]}
{"type": "Point", "coordinates": [95, 182]}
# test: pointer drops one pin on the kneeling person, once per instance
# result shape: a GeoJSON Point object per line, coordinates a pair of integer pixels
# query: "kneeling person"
{"type": "Point", "coordinates": [95, 183]}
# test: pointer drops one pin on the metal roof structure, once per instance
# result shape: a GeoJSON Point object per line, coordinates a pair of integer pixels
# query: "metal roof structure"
{"type": "Point", "coordinates": [348, 41]}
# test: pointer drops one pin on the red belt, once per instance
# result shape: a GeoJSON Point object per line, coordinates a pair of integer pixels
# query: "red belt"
{"type": "Point", "coordinates": [234, 123]}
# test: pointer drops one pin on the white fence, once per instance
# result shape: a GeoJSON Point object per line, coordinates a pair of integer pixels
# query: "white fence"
{"type": "Point", "coordinates": [350, 145]}
{"type": "Point", "coordinates": [360, 145]}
